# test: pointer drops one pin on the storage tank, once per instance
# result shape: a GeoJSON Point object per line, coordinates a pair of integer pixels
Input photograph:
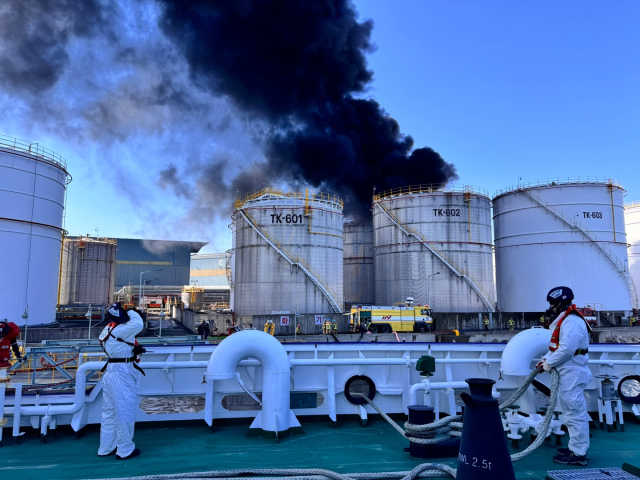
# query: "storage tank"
{"type": "Point", "coordinates": [288, 253]}
{"type": "Point", "coordinates": [358, 263]}
{"type": "Point", "coordinates": [563, 232]}
{"type": "Point", "coordinates": [632, 225]}
{"type": "Point", "coordinates": [33, 181]}
{"type": "Point", "coordinates": [433, 243]}
{"type": "Point", "coordinates": [88, 271]}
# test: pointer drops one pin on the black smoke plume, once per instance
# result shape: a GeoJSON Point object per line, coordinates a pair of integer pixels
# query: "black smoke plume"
{"type": "Point", "coordinates": [300, 66]}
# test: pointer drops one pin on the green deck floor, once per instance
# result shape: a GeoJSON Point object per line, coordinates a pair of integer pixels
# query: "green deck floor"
{"type": "Point", "coordinates": [349, 448]}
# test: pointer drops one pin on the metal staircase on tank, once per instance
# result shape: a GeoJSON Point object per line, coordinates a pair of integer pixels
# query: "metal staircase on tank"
{"type": "Point", "coordinates": [597, 242]}
{"type": "Point", "coordinates": [315, 278]}
{"type": "Point", "coordinates": [473, 283]}
{"type": "Point", "coordinates": [227, 269]}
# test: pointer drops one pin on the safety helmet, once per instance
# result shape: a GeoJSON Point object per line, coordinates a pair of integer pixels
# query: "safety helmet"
{"type": "Point", "coordinates": [115, 313]}
{"type": "Point", "coordinates": [560, 296]}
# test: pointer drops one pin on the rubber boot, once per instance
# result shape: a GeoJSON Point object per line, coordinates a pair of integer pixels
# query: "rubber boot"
{"type": "Point", "coordinates": [483, 448]}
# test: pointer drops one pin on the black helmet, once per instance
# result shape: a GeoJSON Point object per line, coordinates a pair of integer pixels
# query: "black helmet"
{"type": "Point", "coordinates": [560, 296]}
{"type": "Point", "coordinates": [115, 313]}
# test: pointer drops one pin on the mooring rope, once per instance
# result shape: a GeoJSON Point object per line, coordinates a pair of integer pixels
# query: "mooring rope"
{"type": "Point", "coordinates": [447, 427]}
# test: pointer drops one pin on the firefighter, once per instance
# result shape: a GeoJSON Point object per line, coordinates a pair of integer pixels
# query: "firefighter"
{"type": "Point", "coordinates": [335, 327]}
{"type": "Point", "coordinates": [298, 330]}
{"type": "Point", "coordinates": [632, 321]}
{"type": "Point", "coordinates": [512, 324]}
{"type": "Point", "coordinates": [568, 353]}
{"type": "Point", "coordinates": [542, 321]}
{"type": "Point", "coordinates": [486, 323]}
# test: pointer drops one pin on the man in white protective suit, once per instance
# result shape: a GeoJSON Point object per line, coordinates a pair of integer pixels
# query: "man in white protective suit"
{"type": "Point", "coordinates": [120, 382]}
{"type": "Point", "coordinates": [568, 353]}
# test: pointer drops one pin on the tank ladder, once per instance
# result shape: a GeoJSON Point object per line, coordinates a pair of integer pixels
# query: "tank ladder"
{"type": "Point", "coordinates": [315, 278]}
{"type": "Point", "coordinates": [608, 253]}
{"type": "Point", "coordinates": [227, 269]}
{"type": "Point", "coordinates": [474, 284]}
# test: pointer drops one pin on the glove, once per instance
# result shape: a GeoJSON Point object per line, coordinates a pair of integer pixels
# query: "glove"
{"type": "Point", "coordinates": [545, 366]}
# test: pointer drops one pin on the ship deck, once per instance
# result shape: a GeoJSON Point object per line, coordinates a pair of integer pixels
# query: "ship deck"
{"type": "Point", "coordinates": [193, 447]}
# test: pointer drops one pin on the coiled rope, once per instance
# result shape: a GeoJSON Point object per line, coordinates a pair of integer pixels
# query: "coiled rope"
{"type": "Point", "coordinates": [451, 426]}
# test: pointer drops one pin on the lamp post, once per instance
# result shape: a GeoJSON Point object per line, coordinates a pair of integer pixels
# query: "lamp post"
{"type": "Point", "coordinates": [161, 319]}
{"type": "Point", "coordinates": [89, 316]}
{"type": "Point", "coordinates": [429, 280]}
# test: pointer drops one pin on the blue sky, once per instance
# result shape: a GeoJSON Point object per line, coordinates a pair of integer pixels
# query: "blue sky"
{"type": "Point", "coordinates": [501, 89]}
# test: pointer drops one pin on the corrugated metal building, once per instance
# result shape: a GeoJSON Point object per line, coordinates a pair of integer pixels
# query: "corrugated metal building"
{"type": "Point", "coordinates": [168, 261]}
{"type": "Point", "coordinates": [209, 270]}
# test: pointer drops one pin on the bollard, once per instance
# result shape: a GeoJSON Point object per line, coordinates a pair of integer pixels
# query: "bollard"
{"type": "Point", "coordinates": [483, 448]}
{"type": "Point", "coordinates": [421, 415]}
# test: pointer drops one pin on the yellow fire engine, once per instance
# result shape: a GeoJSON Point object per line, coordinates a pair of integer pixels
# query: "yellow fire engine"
{"type": "Point", "coordinates": [401, 317]}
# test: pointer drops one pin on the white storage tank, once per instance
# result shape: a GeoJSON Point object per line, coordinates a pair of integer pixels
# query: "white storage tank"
{"type": "Point", "coordinates": [563, 232]}
{"type": "Point", "coordinates": [632, 224]}
{"type": "Point", "coordinates": [358, 263]}
{"type": "Point", "coordinates": [433, 243]}
{"type": "Point", "coordinates": [287, 253]}
{"type": "Point", "coordinates": [33, 181]}
{"type": "Point", "coordinates": [88, 271]}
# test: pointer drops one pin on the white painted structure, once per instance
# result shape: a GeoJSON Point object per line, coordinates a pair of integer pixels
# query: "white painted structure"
{"type": "Point", "coordinates": [33, 182]}
{"type": "Point", "coordinates": [433, 243]}
{"type": "Point", "coordinates": [322, 369]}
{"type": "Point", "coordinates": [358, 262]}
{"type": "Point", "coordinates": [563, 232]}
{"type": "Point", "coordinates": [287, 253]}
{"type": "Point", "coordinates": [632, 225]}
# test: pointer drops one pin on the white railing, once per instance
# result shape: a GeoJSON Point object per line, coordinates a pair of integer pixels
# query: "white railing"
{"type": "Point", "coordinates": [552, 182]}
{"type": "Point", "coordinates": [608, 253]}
{"type": "Point", "coordinates": [457, 272]}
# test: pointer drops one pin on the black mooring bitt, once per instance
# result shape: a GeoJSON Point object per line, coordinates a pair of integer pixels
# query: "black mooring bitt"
{"type": "Point", "coordinates": [484, 454]}
{"type": "Point", "coordinates": [421, 415]}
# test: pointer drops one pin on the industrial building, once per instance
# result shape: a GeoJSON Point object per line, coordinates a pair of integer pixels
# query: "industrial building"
{"type": "Point", "coordinates": [161, 262]}
{"type": "Point", "coordinates": [287, 253]}
{"type": "Point", "coordinates": [210, 270]}
{"type": "Point", "coordinates": [433, 243]}
{"type": "Point", "coordinates": [563, 232]}
{"type": "Point", "coordinates": [33, 182]}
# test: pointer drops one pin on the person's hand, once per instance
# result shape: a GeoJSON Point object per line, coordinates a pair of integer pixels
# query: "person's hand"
{"type": "Point", "coordinates": [545, 366]}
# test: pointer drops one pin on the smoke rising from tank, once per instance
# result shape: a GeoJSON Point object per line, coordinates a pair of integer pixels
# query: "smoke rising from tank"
{"type": "Point", "coordinates": [300, 65]}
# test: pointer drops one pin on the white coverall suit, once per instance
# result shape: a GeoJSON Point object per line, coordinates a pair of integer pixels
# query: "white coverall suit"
{"type": "Point", "coordinates": [119, 388]}
{"type": "Point", "coordinates": [574, 378]}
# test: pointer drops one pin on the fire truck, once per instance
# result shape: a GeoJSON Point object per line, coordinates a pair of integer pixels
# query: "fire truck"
{"type": "Point", "coordinates": [401, 317]}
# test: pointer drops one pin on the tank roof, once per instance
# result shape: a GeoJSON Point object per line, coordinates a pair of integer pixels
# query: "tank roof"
{"type": "Point", "coordinates": [33, 149]}
{"type": "Point", "coordinates": [556, 182]}
{"type": "Point", "coordinates": [430, 188]}
{"type": "Point", "coordinates": [271, 193]}
{"type": "Point", "coordinates": [632, 204]}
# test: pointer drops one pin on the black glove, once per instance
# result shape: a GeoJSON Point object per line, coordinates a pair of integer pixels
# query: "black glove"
{"type": "Point", "coordinates": [16, 349]}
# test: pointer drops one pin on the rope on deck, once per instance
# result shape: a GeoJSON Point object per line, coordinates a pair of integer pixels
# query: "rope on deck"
{"type": "Point", "coordinates": [447, 427]}
{"type": "Point", "coordinates": [424, 470]}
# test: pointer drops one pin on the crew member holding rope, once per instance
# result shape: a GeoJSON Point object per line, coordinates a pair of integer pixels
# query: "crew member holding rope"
{"type": "Point", "coordinates": [120, 383]}
{"type": "Point", "coordinates": [568, 353]}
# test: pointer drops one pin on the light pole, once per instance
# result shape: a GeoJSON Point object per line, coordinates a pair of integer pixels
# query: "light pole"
{"type": "Point", "coordinates": [161, 319]}
{"type": "Point", "coordinates": [429, 280]}
{"type": "Point", "coordinates": [88, 316]}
